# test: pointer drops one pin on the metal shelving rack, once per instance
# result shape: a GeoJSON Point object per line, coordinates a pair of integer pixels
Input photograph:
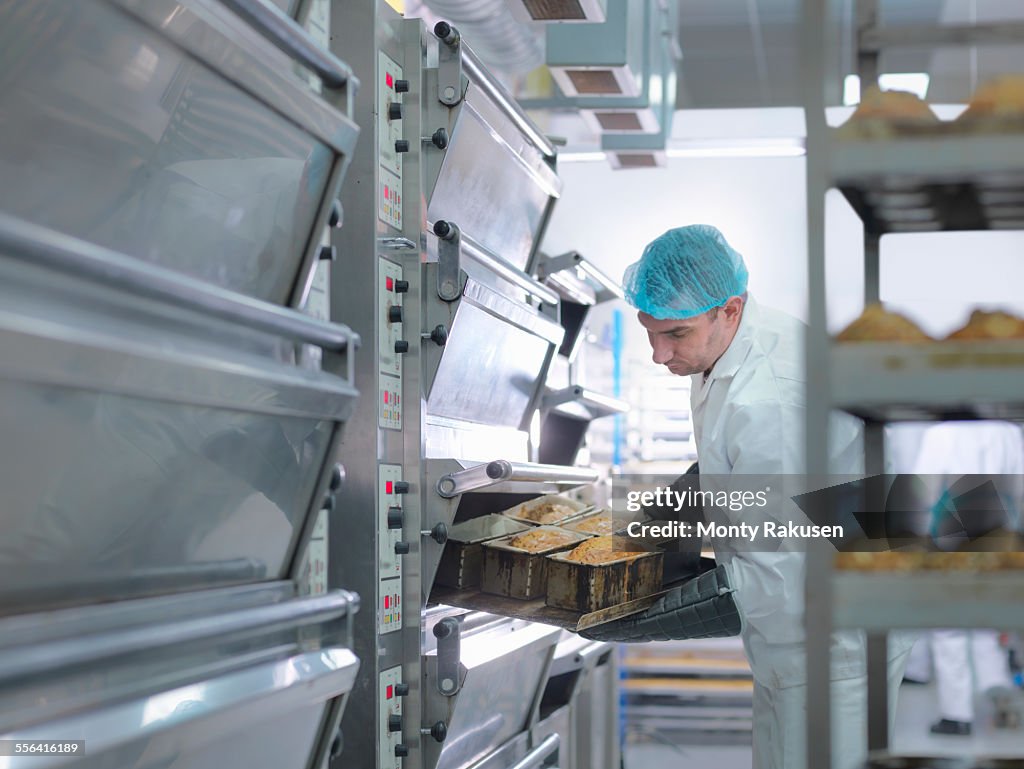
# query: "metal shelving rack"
{"type": "Point", "coordinates": [907, 184]}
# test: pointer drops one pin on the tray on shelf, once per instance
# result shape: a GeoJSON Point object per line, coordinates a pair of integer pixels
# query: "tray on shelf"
{"type": "Point", "coordinates": [893, 382]}
{"type": "Point", "coordinates": [931, 183]}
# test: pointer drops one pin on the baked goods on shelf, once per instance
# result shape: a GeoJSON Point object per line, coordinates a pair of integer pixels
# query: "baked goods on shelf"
{"type": "Point", "coordinates": [886, 114]}
{"type": "Point", "coordinates": [990, 325]}
{"type": "Point", "coordinates": [930, 561]}
{"type": "Point", "coordinates": [540, 540]}
{"type": "Point", "coordinates": [876, 324]}
{"type": "Point", "coordinates": [600, 550]}
{"type": "Point", "coordinates": [996, 104]}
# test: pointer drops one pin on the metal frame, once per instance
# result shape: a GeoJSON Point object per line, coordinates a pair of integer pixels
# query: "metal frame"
{"type": "Point", "coordinates": [859, 381]}
{"type": "Point", "coordinates": [366, 29]}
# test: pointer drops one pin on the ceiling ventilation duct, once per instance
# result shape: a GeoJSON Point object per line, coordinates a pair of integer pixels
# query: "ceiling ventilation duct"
{"type": "Point", "coordinates": [633, 129]}
{"type": "Point", "coordinates": [592, 11]}
{"type": "Point", "coordinates": [600, 59]}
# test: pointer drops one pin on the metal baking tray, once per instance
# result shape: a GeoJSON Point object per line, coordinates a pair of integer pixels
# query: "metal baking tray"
{"type": "Point", "coordinates": [522, 512]}
{"type": "Point", "coordinates": [516, 573]}
{"type": "Point", "coordinates": [580, 523]}
{"type": "Point", "coordinates": [590, 587]}
{"type": "Point", "coordinates": [463, 558]}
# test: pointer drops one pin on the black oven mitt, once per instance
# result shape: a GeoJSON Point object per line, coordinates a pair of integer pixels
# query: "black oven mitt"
{"type": "Point", "coordinates": [703, 607]}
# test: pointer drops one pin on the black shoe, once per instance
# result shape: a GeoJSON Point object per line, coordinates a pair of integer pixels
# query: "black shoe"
{"type": "Point", "coordinates": [947, 726]}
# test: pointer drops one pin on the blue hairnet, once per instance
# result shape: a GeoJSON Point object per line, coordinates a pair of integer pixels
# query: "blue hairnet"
{"type": "Point", "coordinates": [684, 273]}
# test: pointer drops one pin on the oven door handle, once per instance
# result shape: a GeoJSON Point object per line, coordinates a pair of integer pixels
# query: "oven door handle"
{"type": "Point", "coordinates": [536, 757]}
{"type": "Point", "coordinates": [289, 37]}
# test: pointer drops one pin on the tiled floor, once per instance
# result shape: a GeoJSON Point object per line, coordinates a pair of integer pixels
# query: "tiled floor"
{"type": "Point", "coordinates": [915, 713]}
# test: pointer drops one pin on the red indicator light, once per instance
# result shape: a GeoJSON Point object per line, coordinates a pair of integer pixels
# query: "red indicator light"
{"type": "Point", "coordinates": [387, 602]}
{"type": "Point", "coordinates": [386, 394]}
{"type": "Point", "coordinates": [387, 79]}
{"type": "Point", "coordinates": [390, 690]}
{"type": "Point", "coordinates": [387, 192]}
{"type": "Point", "coordinates": [389, 284]}
{"type": "Point", "coordinates": [387, 487]}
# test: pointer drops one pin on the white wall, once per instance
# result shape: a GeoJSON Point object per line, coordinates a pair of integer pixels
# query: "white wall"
{"type": "Point", "coordinates": [759, 204]}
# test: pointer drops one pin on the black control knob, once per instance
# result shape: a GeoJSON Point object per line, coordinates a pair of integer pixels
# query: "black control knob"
{"type": "Point", "coordinates": [438, 336]}
{"type": "Point", "coordinates": [401, 145]}
{"type": "Point", "coordinates": [337, 476]}
{"type": "Point", "coordinates": [401, 346]}
{"type": "Point", "coordinates": [439, 533]}
{"type": "Point", "coordinates": [396, 519]}
{"type": "Point", "coordinates": [446, 32]}
{"type": "Point", "coordinates": [401, 86]}
{"type": "Point", "coordinates": [442, 229]}
{"type": "Point", "coordinates": [401, 751]}
{"type": "Point", "coordinates": [327, 253]}
{"type": "Point", "coordinates": [337, 215]}
{"type": "Point", "coordinates": [401, 548]}
{"type": "Point", "coordinates": [438, 731]}
{"type": "Point", "coordinates": [440, 138]}
{"type": "Point", "coordinates": [446, 627]}
{"type": "Point", "coordinates": [394, 111]}
{"type": "Point", "coordinates": [394, 723]}
{"type": "Point", "coordinates": [394, 314]}
{"type": "Point", "coordinates": [401, 689]}
{"type": "Point", "coordinates": [401, 487]}
{"type": "Point", "coordinates": [401, 286]}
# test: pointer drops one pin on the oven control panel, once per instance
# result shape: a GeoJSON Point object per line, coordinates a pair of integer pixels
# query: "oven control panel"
{"type": "Point", "coordinates": [390, 540]}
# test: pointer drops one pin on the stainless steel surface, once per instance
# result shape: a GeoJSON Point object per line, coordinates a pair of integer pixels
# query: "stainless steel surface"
{"type": "Point", "coordinates": [170, 132]}
{"type": "Point", "coordinates": [360, 35]}
{"type": "Point", "coordinates": [480, 77]}
{"type": "Point", "coordinates": [290, 38]}
{"type": "Point", "coordinates": [26, 630]}
{"type": "Point", "coordinates": [264, 716]}
{"type": "Point", "coordinates": [469, 442]}
{"type": "Point", "coordinates": [596, 404]}
{"type": "Point", "coordinates": [73, 256]}
{"type": "Point", "coordinates": [153, 374]}
{"type": "Point", "coordinates": [516, 277]}
{"type": "Point", "coordinates": [493, 366]}
{"type": "Point", "coordinates": [97, 648]}
{"type": "Point", "coordinates": [501, 471]}
{"type": "Point", "coordinates": [503, 666]}
{"type": "Point", "coordinates": [104, 486]}
{"type": "Point", "coordinates": [539, 755]}
{"type": "Point", "coordinates": [493, 181]}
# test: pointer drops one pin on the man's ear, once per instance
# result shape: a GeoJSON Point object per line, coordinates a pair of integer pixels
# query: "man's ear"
{"type": "Point", "coordinates": [733, 308]}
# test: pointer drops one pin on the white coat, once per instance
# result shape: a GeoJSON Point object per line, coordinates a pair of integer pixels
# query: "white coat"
{"type": "Point", "coordinates": [948, 451]}
{"type": "Point", "coordinates": [749, 417]}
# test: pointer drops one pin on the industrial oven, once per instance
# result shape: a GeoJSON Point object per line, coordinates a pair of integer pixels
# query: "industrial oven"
{"type": "Point", "coordinates": [463, 357]}
{"type": "Point", "coordinates": [171, 398]}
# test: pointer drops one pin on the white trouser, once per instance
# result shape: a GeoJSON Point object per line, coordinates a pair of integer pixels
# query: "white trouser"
{"type": "Point", "coordinates": [919, 663]}
{"type": "Point", "coordinates": [953, 665]}
{"type": "Point", "coordinates": [780, 721]}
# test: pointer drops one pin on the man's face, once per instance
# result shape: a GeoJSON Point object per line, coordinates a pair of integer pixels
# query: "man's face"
{"type": "Point", "coordinates": [688, 346]}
